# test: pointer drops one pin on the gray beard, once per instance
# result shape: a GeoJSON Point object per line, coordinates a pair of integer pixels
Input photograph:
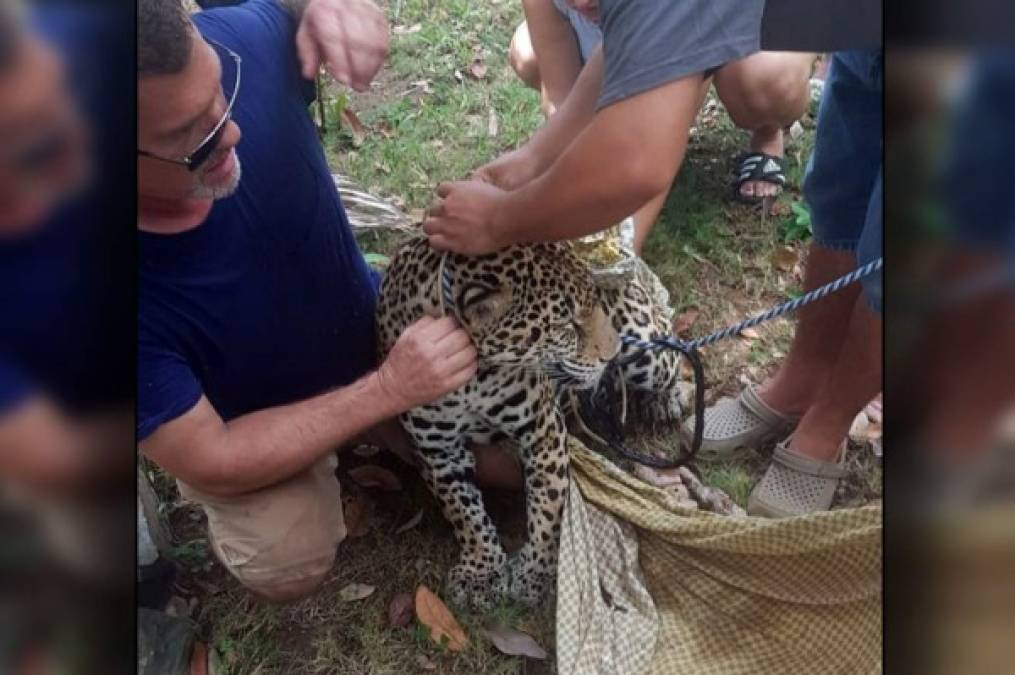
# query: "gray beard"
{"type": "Point", "coordinates": [202, 191]}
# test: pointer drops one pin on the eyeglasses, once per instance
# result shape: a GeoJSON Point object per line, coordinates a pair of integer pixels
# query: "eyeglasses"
{"type": "Point", "coordinates": [200, 155]}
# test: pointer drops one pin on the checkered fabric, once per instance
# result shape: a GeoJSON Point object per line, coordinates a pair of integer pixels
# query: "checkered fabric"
{"type": "Point", "coordinates": [730, 595]}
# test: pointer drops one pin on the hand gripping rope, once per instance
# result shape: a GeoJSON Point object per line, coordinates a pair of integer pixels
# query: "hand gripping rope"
{"type": "Point", "coordinates": [608, 427]}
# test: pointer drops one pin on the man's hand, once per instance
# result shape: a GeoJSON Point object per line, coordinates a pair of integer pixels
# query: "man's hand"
{"type": "Point", "coordinates": [433, 357]}
{"type": "Point", "coordinates": [349, 37]}
{"type": "Point", "coordinates": [511, 170]}
{"type": "Point", "coordinates": [466, 218]}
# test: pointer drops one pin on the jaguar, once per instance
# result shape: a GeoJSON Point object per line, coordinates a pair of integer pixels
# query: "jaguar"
{"type": "Point", "coordinates": [541, 324]}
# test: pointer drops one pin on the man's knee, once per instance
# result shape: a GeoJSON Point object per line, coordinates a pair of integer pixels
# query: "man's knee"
{"type": "Point", "coordinates": [522, 57]}
{"type": "Point", "coordinates": [281, 541]}
{"type": "Point", "coordinates": [765, 89]}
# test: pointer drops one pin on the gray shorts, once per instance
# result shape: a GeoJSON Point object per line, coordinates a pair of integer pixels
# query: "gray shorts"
{"type": "Point", "coordinates": [586, 33]}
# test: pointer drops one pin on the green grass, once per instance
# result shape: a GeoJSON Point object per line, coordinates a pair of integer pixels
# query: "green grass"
{"type": "Point", "coordinates": [422, 134]}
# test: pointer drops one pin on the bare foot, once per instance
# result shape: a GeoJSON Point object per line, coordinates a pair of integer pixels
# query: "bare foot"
{"type": "Point", "coordinates": [769, 141]}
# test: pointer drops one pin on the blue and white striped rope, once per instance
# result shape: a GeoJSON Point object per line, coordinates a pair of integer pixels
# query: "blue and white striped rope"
{"type": "Point", "coordinates": [447, 296]}
{"type": "Point", "coordinates": [672, 342]}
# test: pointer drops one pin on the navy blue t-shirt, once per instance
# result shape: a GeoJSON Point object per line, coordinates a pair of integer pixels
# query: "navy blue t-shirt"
{"type": "Point", "coordinates": [66, 288]}
{"type": "Point", "coordinates": [269, 301]}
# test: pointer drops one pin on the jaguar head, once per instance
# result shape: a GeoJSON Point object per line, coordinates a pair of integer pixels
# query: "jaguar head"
{"type": "Point", "coordinates": [538, 307]}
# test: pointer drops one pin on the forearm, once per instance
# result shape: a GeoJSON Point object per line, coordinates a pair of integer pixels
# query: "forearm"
{"type": "Point", "coordinates": [591, 187]}
{"type": "Point", "coordinates": [627, 155]}
{"type": "Point", "coordinates": [263, 447]}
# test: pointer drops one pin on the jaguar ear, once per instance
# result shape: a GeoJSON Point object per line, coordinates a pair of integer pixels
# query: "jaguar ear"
{"type": "Point", "coordinates": [483, 307]}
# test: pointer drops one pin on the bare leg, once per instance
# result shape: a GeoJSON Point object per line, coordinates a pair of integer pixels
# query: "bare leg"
{"type": "Point", "coordinates": [968, 390]}
{"type": "Point", "coordinates": [645, 217]}
{"type": "Point", "coordinates": [522, 58]}
{"type": "Point", "coordinates": [851, 384]}
{"type": "Point", "coordinates": [819, 336]}
{"type": "Point", "coordinates": [764, 93]}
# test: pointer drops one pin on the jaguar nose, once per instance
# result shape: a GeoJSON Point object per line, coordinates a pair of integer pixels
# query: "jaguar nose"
{"type": "Point", "coordinates": [606, 341]}
{"type": "Point", "coordinates": [614, 347]}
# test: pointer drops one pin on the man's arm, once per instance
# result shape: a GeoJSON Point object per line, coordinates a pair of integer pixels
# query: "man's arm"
{"type": "Point", "coordinates": [432, 358]}
{"type": "Point", "coordinates": [515, 169]}
{"type": "Point", "coordinates": [556, 50]}
{"type": "Point", "coordinates": [628, 154]}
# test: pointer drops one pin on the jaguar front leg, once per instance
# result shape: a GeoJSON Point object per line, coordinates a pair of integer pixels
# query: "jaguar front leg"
{"type": "Point", "coordinates": [538, 430]}
{"type": "Point", "coordinates": [480, 577]}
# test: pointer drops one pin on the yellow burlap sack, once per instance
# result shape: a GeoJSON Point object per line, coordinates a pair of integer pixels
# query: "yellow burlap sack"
{"type": "Point", "coordinates": [647, 587]}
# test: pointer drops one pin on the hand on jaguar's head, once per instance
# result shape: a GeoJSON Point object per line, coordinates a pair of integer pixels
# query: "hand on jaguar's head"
{"type": "Point", "coordinates": [466, 218]}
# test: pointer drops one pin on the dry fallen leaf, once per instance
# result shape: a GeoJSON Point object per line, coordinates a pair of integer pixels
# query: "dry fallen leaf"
{"type": "Point", "coordinates": [435, 615]}
{"type": "Point", "coordinates": [784, 258]}
{"type": "Point", "coordinates": [411, 523]}
{"type": "Point", "coordinates": [750, 334]}
{"type": "Point", "coordinates": [685, 320]}
{"type": "Point", "coordinates": [514, 642]}
{"type": "Point", "coordinates": [407, 30]}
{"type": "Point", "coordinates": [478, 68]}
{"type": "Point", "coordinates": [424, 662]}
{"type": "Point", "coordinates": [199, 659]}
{"type": "Point", "coordinates": [779, 209]}
{"type": "Point", "coordinates": [417, 215]}
{"type": "Point", "coordinates": [400, 610]}
{"type": "Point", "coordinates": [354, 592]}
{"type": "Point", "coordinates": [475, 125]}
{"type": "Point", "coordinates": [458, 75]}
{"type": "Point", "coordinates": [357, 509]}
{"type": "Point", "coordinates": [492, 125]}
{"type": "Point", "coordinates": [351, 120]}
{"type": "Point", "coordinates": [387, 131]}
{"type": "Point", "coordinates": [370, 475]}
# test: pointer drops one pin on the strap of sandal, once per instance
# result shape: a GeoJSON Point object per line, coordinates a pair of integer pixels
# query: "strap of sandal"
{"type": "Point", "coordinates": [807, 465]}
{"type": "Point", "coordinates": [749, 399]}
{"type": "Point", "coordinates": [760, 166]}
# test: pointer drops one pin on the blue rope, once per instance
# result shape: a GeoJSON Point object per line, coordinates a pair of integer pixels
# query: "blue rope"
{"type": "Point", "coordinates": [671, 342]}
{"type": "Point", "coordinates": [446, 293]}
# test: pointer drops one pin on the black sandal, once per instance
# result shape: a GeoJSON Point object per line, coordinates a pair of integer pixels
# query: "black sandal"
{"type": "Point", "coordinates": [755, 167]}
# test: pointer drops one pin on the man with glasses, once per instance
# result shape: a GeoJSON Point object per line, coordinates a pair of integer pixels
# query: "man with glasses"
{"type": "Point", "coordinates": [256, 345]}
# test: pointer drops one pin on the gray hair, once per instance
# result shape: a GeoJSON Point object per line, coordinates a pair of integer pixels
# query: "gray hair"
{"type": "Point", "coordinates": [163, 37]}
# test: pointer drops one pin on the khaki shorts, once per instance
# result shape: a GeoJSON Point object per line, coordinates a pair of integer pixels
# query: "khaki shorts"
{"type": "Point", "coordinates": [281, 537]}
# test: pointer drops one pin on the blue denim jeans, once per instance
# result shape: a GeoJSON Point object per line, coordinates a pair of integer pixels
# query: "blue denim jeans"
{"type": "Point", "coordinates": [979, 196]}
{"type": "Point", "coordinates": [843, 180]}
